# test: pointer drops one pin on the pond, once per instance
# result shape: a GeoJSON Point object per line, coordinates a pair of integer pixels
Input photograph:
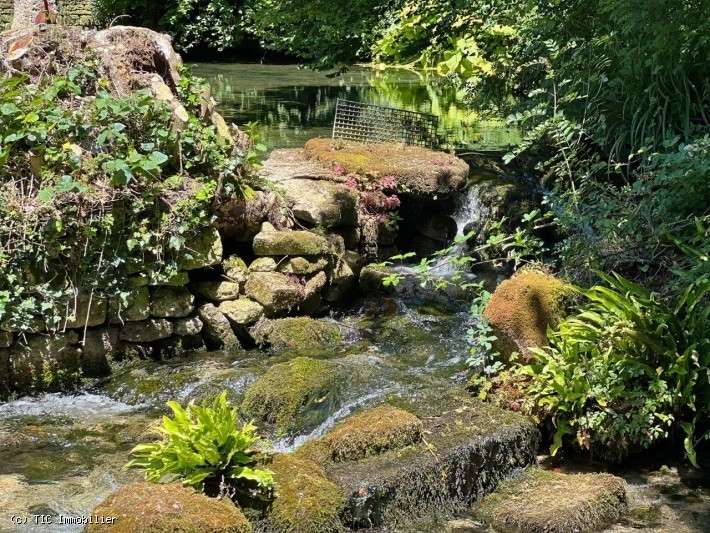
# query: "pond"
{"type": "Point", "coordinates": [294, 104]}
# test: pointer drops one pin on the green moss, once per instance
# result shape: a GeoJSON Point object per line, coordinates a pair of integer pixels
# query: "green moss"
{"type": "Point", "coordinates": [368, 433]}
{"type": "Point", "coordinates": [543, 501]}
{"type": "Point", "coordinates": [523, 307]}
{"type": "Point", "coordinates": [306, 502]}
{"type": "Point", "coordinates": [294, 395]}
{"type": "Point", "coordinates": [298, 333]}
{"type": "Point", "coordinates": [419, 170]}
{"type": "Point", "coordinates": [168, 508]}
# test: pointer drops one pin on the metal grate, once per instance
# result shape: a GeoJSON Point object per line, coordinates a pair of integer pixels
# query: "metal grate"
{"type": "Point", "coordinates": [369, 123]}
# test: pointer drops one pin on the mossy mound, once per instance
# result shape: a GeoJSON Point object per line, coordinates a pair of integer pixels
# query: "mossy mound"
{"type": "Point", "coordinates": [168, 508]}
{"type": "Point", "coordinates": [369, 433]}
{"type": "Point", "coordinates": [298, 333]}
{"type": "Point", "coordinates": [298, 394]}
{"type": "Point", "coordinates": [306, 502]}
{"type": "Point", "coordinates": [418, 170]}
{"type": "Point", "coordinates": [467, 449]}
{"type": "Point", "coordinates": [523, 307]}
{"type": "Point", "coordinates": [540, 501]}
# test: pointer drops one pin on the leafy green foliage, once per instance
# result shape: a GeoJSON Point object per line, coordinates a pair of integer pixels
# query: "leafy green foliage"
{"type": "Point", "coordinates": [94, 186]}
{"type": "Point", "coordinates": [628, 369]}
{"type": "Point", "coordinates": [203, 446]}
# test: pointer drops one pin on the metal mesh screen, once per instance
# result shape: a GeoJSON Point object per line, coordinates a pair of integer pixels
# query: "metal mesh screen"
{"type": "Point", "coordinates": [356, 121]}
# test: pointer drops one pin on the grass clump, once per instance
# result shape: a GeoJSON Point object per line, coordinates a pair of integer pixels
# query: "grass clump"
{"type": "Point", "coordinates": [293, 395]}
{"type": "Point", "coordinates": [551, 502]}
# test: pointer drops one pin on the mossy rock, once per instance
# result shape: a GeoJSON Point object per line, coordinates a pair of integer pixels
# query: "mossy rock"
{"type": "Point", "coordinates": [272, 242]}
{"type": "Point", "coordinates": [202, 250]}
{"type": "Point", "coordinates": [539, 501]}
{"type": "Point", "coordinates": [296, 395]}
{"type": "Point", "coordinates": [523, 307]}
{"type": "Point", "coordinates": [276, 292]}
{"type": "Point", "coordinates": [468, 448]}
{"type": "Point", "coordinates": [368, 433]}
{"type": "Point", "coordinates": [306, 502]}
{"type": "Point", "coordinates": [168, 508]}
{"type": "Point", "coordinates": [297, 333]}
{"type": "Point", "coordinates": [419, 170]}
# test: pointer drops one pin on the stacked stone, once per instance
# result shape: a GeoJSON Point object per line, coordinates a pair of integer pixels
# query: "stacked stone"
{"type": "Point", "coordinates": [5, 13]}
{"type": "Point", "coordinates": [77, 12]}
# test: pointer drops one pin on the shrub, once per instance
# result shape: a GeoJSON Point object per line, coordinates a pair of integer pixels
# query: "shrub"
{"type": "Point", "coordinates": [93, 186]}
{"type": "Point", "coordinates": [628, 369]}
{"type": "Point", "coordinates": [204, 448]}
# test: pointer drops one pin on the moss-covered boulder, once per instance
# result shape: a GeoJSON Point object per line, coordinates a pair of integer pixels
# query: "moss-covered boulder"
{"type": "Point", "coordinates": [151, 330]}
{"type": "Point", "coordinates": [369, 433]}
{"type": "Point", "coordinates": [171, 302]}
{"type": "Point", "coordinates": [303, 265]}
{"type": "Point", "coordinates": [306, 502]}
{"type": "Point", "coordinates": [320, 202]}
{"type": "Point", "coordinates": [418, 170]}
{"type": "Point", "coordinates": [243, 311]}
{"type": "Point", "coordinates": [188, 327]}
{"type": "Point", "coordinates": [235, 269]}
{"type": "Point", "coordinates": [44, 363]}
{"type": "Point", "coordinates": [277, 293]}
{"type": "Point", "coordinates": [217, 291]}
{"type": "Point", "coordinates": [539, 501]}
{"type": "Point", "coordinates": [272, 242]}
{"type": "Point", "coordinates": [203, 250]}
{"type": "Point", "coordinates": [217, 329]}
{"type": "Point", "coordinates": [134, 308]}
{"type": "Point", "coordinates": [263, 264]}
{"type": "Point", "coordinates": [523, 307]}
{"type": "Point", "coordinates": [86, 309]}
{"type": "Point", "coordinates": [296, 395]}
{"type": "Point", "coordinates": [467, 449]}
{"type": "Point", "coordinates": [167, 508]}
{"type": "Point", "coordinates": [297, 333]}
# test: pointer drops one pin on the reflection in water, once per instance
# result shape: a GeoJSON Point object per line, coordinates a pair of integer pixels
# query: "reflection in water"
{"type": "Point", "coordinates": [296, 104]}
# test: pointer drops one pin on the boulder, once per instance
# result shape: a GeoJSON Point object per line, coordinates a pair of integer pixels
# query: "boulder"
{"type": "Point", "coordinates": [147, 330]}
{"type": "Point", "coordinates": [188, 327]}
{"type": "Point", "coordinates": [202, 250]}
{"type": "Point", "coordinates": [240, 219]}
{"type": "Point", "coordinates": [218, 331]}
{"type": "Point", "coordinates": [135, 308]}
{"type": "Point", "coordinates": [306, 502]}
{"type": "Point", "coordinates": [85, 309]}
{"type": "Point", "coordinates": [263, 264]}
{"type": "Point", "coordinates": [303, 265]}
{"type": "Point", "coordinates": [272, 242]}
{"type": "Point", "coordinates": [235, 269]}
{"type": "Point", "coordinates": [371, 278]}
{"type": "Point", "coordinates": [167, 508]}
{"type": "Point", "coordinates": [44, 363]}
{"type": "Point", "coordinates": [296, 395]}
{"type": "Point", "coordinates": [523, 307]}
{"type": "Point", "coordinates": [371, 432]}
{"type": "Point", "coordinates": [242, 312]}
{"type": "Point", "coordinates": [342, 276]}
{"type": "Point", "coordinates": [171, 302]}
{"type": "Point", "coordinates": [296, 333]}
{"type": "Point", "coordinates": [539, 500]}
{"type": "Point", "coordinates": [320, 202]}
{"type": "Point", "coordinates": [217, 291]}
{"type": "Point", "coordinates": [277, 292]}
{"type": "Point", "coordinates": [469, 447]}
{"type": "Point", "coordinates": [420, 171]}
{"type": "Point", "coordinates": [99, 346]}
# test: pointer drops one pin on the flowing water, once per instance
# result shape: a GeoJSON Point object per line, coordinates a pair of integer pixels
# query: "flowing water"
{"type": "Point", "coordinates": [61, 454]}
{"type": "Point", "coordinates": [293, 104]}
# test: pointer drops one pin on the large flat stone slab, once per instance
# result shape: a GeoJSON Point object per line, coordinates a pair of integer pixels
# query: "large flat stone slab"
{"type": "Point", "coordinates": [464, 453]}
{"type": "Point", "coordinates": [537, 500]}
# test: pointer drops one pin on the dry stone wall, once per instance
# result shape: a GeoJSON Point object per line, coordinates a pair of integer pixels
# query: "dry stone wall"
{"type": "Point", "coordinates": [21, 13]}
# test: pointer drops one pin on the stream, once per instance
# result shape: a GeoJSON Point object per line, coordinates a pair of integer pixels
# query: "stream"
{"type": "Point", "coordinates": [61, 454]}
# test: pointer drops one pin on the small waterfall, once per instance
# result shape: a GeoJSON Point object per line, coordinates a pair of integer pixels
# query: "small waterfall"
{"type": "Point", "coordinates": [470, 212]}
